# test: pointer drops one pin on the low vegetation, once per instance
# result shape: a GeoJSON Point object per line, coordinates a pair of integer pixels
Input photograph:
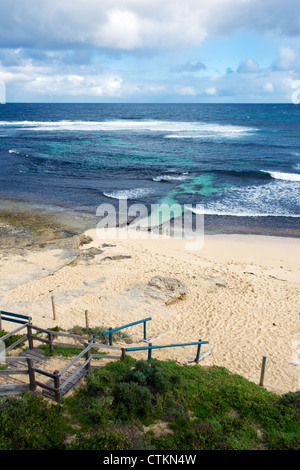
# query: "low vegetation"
{"type": "Point", "coordinates": [155, 405]}
{"type": "Point", "coordinates": [98, 331]}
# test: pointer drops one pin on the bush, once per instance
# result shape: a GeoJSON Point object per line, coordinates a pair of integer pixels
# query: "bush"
{"type": "Point", "coordinates": [11, 340]}
{"type": "Point", "coordinates": [99, 410]}
{"type": "Point", "coordinates": [29, 423]}
{"type": "Point", "coordinates": [205, 408]}
{"type": "Point", "coordinates": [149, 374]}
{"type": "Point", "coordinates": [132, 400]}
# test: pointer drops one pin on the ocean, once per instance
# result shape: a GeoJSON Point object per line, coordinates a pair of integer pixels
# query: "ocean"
{"type": "Point", "coordinates": [240, 162]}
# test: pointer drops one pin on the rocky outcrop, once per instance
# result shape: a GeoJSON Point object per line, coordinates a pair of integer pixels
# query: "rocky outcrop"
{"type": "Point", "coordinates": [166, 289]}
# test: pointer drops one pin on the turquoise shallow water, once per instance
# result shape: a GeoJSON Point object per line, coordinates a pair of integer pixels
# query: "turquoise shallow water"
{"type": "Point", "coordinates": [240, 162]}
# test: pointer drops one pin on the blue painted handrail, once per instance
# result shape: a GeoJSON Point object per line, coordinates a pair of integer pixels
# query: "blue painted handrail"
{"type": "Point", "coordinates": [13, 317]}
{"type": "Point", "coordinates": [113, 330]}
{"type": "Point", "coordinates": [150, 347]}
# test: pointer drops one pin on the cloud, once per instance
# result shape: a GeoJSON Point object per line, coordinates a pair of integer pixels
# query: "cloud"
{"type": "Point", "coordinates": [248, 66]}
{"type": "Point", "coordinates": [295, 85]}
{"type": "Point", "coordinates": [46, 82]}
{"type": "Point", "coordinates": [211, 91]}
{"type": "Point", "coordinates": [130, 24]}
{"type": "Point", "coordinates": [186, 90]}
{"type": "Point", "coordinates": [268, 87]}
{"type": "Point", "coordinates": [286, 58]}
{"type": "Point", "coordinates": [189, 67]}
{"type": "Point", "coordinates": [123, 49]}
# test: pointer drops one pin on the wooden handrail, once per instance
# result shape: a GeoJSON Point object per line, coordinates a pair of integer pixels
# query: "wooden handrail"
{"type": "Point", "coordinates": [69, 379]}
{"type": "Point", "coordinates": [67, 367]}
{"type": "Point", "coordinates": [11, 333]}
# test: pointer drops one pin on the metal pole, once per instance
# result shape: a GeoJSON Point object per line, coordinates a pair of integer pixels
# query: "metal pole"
{"type": "Point", "coordinates": [150, 352]}
{"type": "Point", "coordinates": [198, 351]}
{"type": "Point", "coordinates": [145, 336]}
{"type": "Point", "coordinates": [110, 337]}
{"type": "Point", "coordinates": [263, 368]}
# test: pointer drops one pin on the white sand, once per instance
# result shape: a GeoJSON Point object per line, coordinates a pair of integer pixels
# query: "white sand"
{"type": "Point", "coordinates": [252, 311]}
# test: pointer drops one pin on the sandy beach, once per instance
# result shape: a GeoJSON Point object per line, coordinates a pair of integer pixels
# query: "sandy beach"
{"type": "Point", "coordinates": [238, 292]}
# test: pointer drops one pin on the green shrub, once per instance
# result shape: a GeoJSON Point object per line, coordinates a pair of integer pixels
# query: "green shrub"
{"type": "Point", "coordinates": [11, 340]}
{"type": "Point", "coordinates": [29, 423]}
{"type": "Point", "coordinates": [131, 400]}
{"type": "Point", "coordinates": [99, 410]}
{"type": "Point", "coordinates": [197, 404]}
{"type": "Point", "coordinates": [150, 374]}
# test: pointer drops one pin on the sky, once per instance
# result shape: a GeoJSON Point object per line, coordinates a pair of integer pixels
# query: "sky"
{"type": "Point", "coordinates": [150, 51]}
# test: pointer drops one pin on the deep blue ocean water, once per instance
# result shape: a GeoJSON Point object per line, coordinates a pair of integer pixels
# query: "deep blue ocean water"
{"type": "Point", "coordinates": [241, 162]}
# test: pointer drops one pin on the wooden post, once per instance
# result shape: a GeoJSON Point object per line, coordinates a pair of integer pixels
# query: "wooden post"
{"type": "Point", "coordinates": [88, 356]}
{"type": "Point", "coordinates": [32, 384]}
{"type": "Point", "coordinates": [123, 353]}
{"type": "Point", "coordinates": [0, 321]}
{"type": "Point", "coordinates": [53, 307]}
{"type": "Point", "coordinates": [110, 337]}
{"type": "Point", "coordinates": [56, 386]}
{"type": "Point", "coordinates": [29, 336]}
{"type": "Point", "coordinates": [263, 368]}
{"type": "Point", "coordinates": [51, 348]}
{"type": "Point", "coordinates": [145, 335]}
{"type": "Point", "coordinates": [87, 324]}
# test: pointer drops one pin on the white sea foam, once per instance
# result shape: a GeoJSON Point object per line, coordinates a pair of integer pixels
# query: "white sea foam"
{"type": "Point", "coordinates": [170, 178]}
{"type": "Point", "coordinates": [242, 213]}
{"type": "Point", "coordinates": [276, 199]}
{"type": "Point", "coordinates": [177, 129]}
{"type": "Point", "coordinates": [278, 175]}
{"type": "Point", "coordinates": [128, 193]}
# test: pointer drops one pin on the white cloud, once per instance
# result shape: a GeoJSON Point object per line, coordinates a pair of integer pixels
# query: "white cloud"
{"type": "Point", "coordinates": [211, 91]}
{"type": "Point", "coordinates": [186, 90]}
{"type": "Point", "coordinates": [268, 87]}
{"type": "Point", "coordinates": [122, 30]}
{"type": "Point", "coordinates": [295, 85]}
{"type": "Point", "coordinates": [248, 66]}
{"type": "Point", "coordinates": [129, 24]}
{"type": "Point", "coordinates": [92, 48]}
{"type": "Point", "coordinates": [285, 59]}
{"type": "Point", "coordinates": [41, 81]}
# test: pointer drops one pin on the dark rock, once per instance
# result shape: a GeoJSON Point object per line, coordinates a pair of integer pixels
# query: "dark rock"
{"type": "Point", "coordinates": [84, 240]}
{"type": "Point", "coordinates": [86, 255]}
{"type": "Point", "coordinates": [116, 257]}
